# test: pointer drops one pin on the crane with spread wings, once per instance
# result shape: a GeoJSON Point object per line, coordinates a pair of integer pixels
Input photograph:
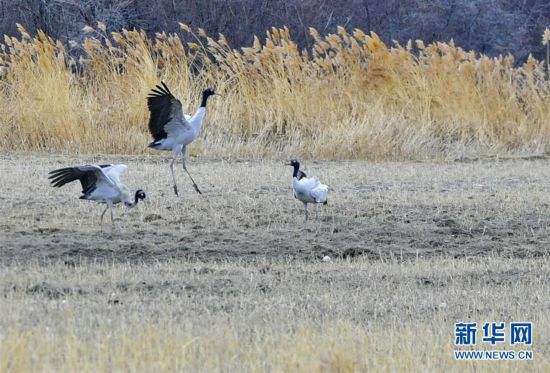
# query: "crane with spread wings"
{"type": "Point", "coordinates": [171, 128]}
{"type": "Point", "coordinates": [100, 183]}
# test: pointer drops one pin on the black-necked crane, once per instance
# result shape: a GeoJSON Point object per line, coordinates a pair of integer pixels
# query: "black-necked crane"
{"type": "Point", "coordinates": [171, 128]}
{"type": "Point", "coordinates": [307, 189]}
{"type": "Point", "coordinates": [100, 183]}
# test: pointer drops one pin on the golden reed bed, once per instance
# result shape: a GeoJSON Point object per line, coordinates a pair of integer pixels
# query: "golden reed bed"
{"type": "Point", "coordinates": [350, 97]}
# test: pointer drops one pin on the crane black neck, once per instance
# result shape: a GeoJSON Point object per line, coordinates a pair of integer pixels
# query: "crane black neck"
{"type": "Point", "coordinates": [296, 169]}
{"type": "Point", "coordinates": [204, 99]}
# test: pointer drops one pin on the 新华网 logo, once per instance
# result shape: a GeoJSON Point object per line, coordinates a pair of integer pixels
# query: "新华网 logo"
{"type": "Point", "coordinates": [494, 334]}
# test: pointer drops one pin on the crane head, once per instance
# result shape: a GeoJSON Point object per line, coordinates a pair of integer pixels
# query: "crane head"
{"type": "Point", "coordinates": [209, 92]}
{"type": "Point", "coordinates": [140, 195]}
{"type": "Point", "coordinates": [293, 163]}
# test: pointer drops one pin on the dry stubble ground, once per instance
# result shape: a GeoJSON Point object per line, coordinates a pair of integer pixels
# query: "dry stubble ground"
{"type": "Point", "coordinates": [232, 279]}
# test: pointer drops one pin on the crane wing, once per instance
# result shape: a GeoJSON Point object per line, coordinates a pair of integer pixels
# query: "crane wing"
{"type": "Point", "coordinates": [304, 185]}
{"type": "Point", "coordinates": [113, 171]}
{"type": "Point", "coordinates": [89, 175]}
{"type": "Point", "coordinates": [312, 187]}
{"type": "Point", "coordinates": [166, 112]}
{"type": "Point", "coordinates": [319, 193]}
{"type": "Point", "coordinates": [308, 183]}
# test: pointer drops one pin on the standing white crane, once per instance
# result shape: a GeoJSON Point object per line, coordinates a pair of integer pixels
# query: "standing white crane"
{"type": "Point", "coordinates": [99, 183]}
{"type": "Point", "coordinates": [171, 128]}
{"type": "Point", "coordinates": [307, 189]}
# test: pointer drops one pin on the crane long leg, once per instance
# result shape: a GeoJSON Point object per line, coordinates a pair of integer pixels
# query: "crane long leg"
{"type": "Point", "coordinates": [193, 181]}
{"type": "Point", "coordinates": [112, 219]}
{"type": "Point", "coordinates": [102, 215]}
{"type": "Point", "coordinates": [305, 209]}
{"type": "Point", "coordinates": [172, 171]}
{"type": "Point", "coordinates": [316, 211]}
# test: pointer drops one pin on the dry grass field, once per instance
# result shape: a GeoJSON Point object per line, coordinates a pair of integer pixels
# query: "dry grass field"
{"type": "Point", "coordinates": [232, 280]}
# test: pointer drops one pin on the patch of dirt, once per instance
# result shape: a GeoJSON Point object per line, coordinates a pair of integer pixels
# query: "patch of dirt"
{"type": "Point", "coordinates": [52, 292]}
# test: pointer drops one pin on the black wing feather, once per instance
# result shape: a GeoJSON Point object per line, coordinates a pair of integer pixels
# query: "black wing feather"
{"type": "Point", "coordinates": [160, 102]}
{"type": "Point", "coordinates": [62, 176]}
